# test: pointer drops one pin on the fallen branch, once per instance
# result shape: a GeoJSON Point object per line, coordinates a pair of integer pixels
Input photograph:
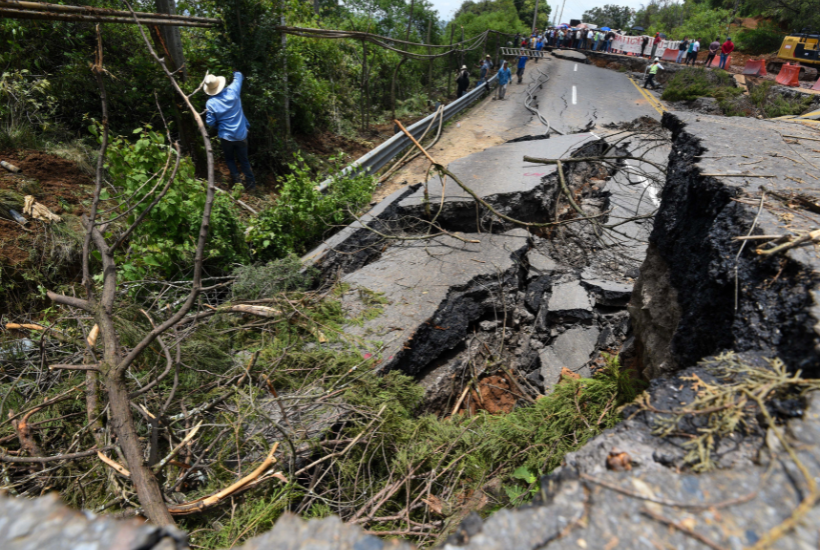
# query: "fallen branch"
{"type": "Point", "coordinates": [207, 502]}
{"type": "Point", "coordinates": [44, 459]}
{"type": "Point", "coordinates": [812, 236]}
{"type": "Point", "coordinates": [161, 464]}
{"type": "Point", "coordinates": [667, 502]}
{"type": "Point", "coordinates": [684, 529]}
{"type": "Point", "coordinates": [119, 468]}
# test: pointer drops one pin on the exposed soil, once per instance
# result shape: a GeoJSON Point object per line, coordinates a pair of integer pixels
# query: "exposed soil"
{"type": "Point", "coordinates": [56, 182]}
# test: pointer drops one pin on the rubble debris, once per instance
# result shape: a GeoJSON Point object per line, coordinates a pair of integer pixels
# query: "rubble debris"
{"type": "Point", "coordinates": [572, 350]}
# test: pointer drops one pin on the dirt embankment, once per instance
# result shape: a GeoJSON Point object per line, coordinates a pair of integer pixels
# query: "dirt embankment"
{"type": "Point", "coordinates": [55, 182]}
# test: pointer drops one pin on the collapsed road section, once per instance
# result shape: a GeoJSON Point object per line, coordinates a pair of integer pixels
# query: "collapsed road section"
{"type": "Point", "coordinates": [505, 272]}
{"type": "Point", "coordinates": [695, 260]}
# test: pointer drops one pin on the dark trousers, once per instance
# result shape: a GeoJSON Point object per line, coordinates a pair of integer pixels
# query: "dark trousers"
{"type": "Point", "coordinates": [650, 79]}
{"type": "Point", "coordinates": [238, 150]}
{"type": "Point", "coordinates": [709, 59]}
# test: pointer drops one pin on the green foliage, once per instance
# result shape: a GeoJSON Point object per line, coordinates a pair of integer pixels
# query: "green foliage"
{"type": "Point", "coordinates": [26, 105]}
{"type": "Point", "coordinates": [265, 281]}
{"type": "Point", "coordinates": [771, 104]}
{"type": "Point", "coordinates": [693, 83]}
{"type": "Point", "coordinates": [499, 15]}
{"type": "Point", "coordinates": [302, 214]}
{"type": "Point", "coordinates": [766, 38]}
{"type": "Point", "coordinates": [165, 241]}
{"type": "Point", "coordinates": [689, 19]}
{"type": "Point", "coordinates": [610, 15]}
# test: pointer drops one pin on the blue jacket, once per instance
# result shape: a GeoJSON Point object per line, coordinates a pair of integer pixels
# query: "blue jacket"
{"type": "Point", "coordinates": [504, 76]}
{"type": "Point", "coordinates": [225, 111]}
{"type": "Point", "coordinates": [522, 61]}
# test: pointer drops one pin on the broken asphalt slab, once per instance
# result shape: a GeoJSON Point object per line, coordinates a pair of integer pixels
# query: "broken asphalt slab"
{"type": "Point", "coordinates": [570, 55]}
{"type": "Point", "coordinates": [499, 176]}
{"type": "Point", "coordinates": [719, 171]}
{"type": "Point", "coordinates": [434, 288]}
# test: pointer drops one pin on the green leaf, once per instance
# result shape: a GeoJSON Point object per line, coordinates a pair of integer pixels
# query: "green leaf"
{"type": "Point", "coordinates": [524, 474]}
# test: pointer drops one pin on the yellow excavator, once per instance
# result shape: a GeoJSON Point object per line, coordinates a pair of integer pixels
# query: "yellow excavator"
{"type": "Point", "coordinates": [802, 48]}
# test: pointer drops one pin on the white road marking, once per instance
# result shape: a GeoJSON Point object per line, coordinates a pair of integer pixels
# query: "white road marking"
{"type": "Point", "coordinates": [576, 68]}
{"type": "Point", "coordinates": [574, 96]}
{"type": "Point", "coordinates": [650, 189]}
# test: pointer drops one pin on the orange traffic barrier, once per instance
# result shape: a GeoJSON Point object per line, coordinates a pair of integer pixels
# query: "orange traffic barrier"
{"type": "Point", "coordinates": [755, 67]}
{"type": "Point", "coordinates": [788, 75]}
{"type": "Point", "coordinates": [669, 55]}
{"type": "Point", "coordinates": [816, 85]}
{"type": "Point", "coordinates": [716, 62]}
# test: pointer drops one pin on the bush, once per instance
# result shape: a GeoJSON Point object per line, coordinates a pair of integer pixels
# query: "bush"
{"type": "Point", "coordinates": [302, 214]}
{"type": "Point", "coordinates": [264, 281]}
{"type": "Point", "coordinates": [771, 104]}
{"type": "Point", "coordinates": [766, 38]}
{"type": "Point", "coordinates": [690, 84]}
{"type": "Point", "coordinates": [165, 241]}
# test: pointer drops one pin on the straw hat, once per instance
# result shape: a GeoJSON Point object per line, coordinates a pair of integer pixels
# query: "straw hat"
{"type": "Point", "coordinates": [214, 84]}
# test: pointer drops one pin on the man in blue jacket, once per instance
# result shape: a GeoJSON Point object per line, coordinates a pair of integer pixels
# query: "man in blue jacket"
{"type": "Point", "coordinates": [224, 110]}
{"type": "Point", "coordinates": [522, 62]}
{"type": "Point", "coordinates": [504, 77]}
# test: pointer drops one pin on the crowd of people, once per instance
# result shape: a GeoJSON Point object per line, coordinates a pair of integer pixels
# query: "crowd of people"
{"type": "Point", "coordinates": [587, 39]}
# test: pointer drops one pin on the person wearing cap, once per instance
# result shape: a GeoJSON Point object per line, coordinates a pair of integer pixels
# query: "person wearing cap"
{"type": "Point", "coordinates": [522, 62]}
{"type": "Point", "coordinates": [653, 70]}
{"type": "Point", "coordinates": [463, 81]}
{"type": "Point", "coordinates": [504, 78]}
{"type": "Point", "coordinates": [224, 111]}
{"type": "Point", "coordinates": [725, 50]}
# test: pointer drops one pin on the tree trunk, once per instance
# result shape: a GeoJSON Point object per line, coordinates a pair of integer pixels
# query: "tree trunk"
{"type": "Point", "coordinates": [286, 102]}
{"type": "Point", "coordinates": [122, 423]}
{"type": "Point", "coordinates": [409, 20]}
{"type": "Point", "coordinates": [429, 52]}
{"type": "Point", "coordinates": [450, 73]}
{"type": "Point", "coordinates": [172, 38]}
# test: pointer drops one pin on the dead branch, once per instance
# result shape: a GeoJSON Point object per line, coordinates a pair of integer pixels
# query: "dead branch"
{"type": "Point", "coordinates": [44, 459]}
{"type": "Point", "coordinates": [210, 501]}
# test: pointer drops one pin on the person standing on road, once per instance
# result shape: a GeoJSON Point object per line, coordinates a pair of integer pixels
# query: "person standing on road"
{"type": "Point", "coordinates": [713, 50]}
{"type": "Point", "coordinates": [610, 36]}
{"type": "Point", "coordinates": [463, 81]}
{"type": "Point", "coordinates": [224, 111]}
{"type": "Point", "coordinates": [482, 72]}
{"type": "Point", "coordinates": [504, 78]}
{"type": "Point", "coordinates": [538, 47]}
{"type": "Point", "coordinates": [725, 50]}
{"type": "Point", "coordinates": [682, 49]}
{"type": "Point", "coordinates": [691, 52]}
{"type": "Point", "coordinates": [653, 70]}
{"type": "Point", "coordinates": [655, 43]}
{"type": "Point", "coordinates": [644, 42]}
{"type": "Point", "coordinates": [522, 62]}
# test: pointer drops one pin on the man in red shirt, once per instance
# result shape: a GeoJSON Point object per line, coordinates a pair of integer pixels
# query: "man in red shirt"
{"type": "Point", "coordinates": [655, 44]}
{"type": "Point", "coordinates": [726, 49]}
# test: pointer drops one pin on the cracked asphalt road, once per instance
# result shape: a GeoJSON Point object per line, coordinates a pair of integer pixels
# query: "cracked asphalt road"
{"type": "Point", "coordinates": [579, 97]}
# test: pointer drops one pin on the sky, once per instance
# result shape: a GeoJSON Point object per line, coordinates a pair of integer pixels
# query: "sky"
{"type": "Point", "coordinates": [573, 9]}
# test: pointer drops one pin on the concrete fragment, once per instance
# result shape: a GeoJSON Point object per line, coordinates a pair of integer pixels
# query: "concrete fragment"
{"type": "Point", "coordinates": [609, 293]}
{"type": "Point", "coordinates": [572, 349]}
{"type": "Point", "coordinates": [540, 263]}
{"type": "Point", "coordinates": [570, 300]}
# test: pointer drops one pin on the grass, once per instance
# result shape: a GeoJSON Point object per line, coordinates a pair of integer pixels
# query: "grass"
{"type": "Point", "coordinates": [771, 104]}
{"type": "Point", "coordinates": [689, 84]}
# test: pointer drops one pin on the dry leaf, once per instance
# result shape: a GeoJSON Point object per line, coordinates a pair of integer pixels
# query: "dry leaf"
{"type": "Point", "coordinates": [618, 461]}
{"type": "Point", "coordinates": [434, 503]}
{"type": "Point", "coordinates": [567, 374]}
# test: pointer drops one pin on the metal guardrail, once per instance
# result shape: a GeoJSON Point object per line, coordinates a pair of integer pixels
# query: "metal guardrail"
{"type": "Point", "coordinates": [384, 153]}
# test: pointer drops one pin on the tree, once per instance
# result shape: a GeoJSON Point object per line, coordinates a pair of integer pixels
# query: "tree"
{"type": "Point", "coordinates": [114, 364]}
{"type": "Point", "coordinates": [610, 15]}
